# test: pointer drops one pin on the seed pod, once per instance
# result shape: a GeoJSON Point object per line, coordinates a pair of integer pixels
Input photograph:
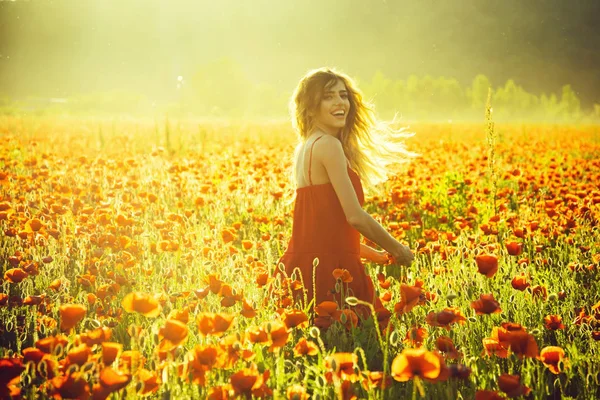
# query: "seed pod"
{"type": "Point", "coordinates": [352, 301]}
{"type": "Point", "coordinates": [314, 332]}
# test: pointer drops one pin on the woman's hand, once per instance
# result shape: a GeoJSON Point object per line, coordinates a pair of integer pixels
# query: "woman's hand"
{"type": "Point", "coordinates": [376, 256]}
{"type": "Point", "coordinates": [402, 256]}
{"type": "Point", "coordinates": [381, 257]}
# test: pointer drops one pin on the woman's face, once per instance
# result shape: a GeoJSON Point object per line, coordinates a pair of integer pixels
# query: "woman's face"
{"type": "Point", "coordinates": [333, 110]}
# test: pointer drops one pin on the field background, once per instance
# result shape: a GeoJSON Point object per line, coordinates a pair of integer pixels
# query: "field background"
{"type": "Point", "coordinates": [191, 215]}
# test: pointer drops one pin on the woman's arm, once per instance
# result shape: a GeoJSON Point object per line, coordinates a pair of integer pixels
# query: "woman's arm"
{"type": "Point", "coordinates": [330, 153]}
{"type": "Point", "coordinates": [369, 253]}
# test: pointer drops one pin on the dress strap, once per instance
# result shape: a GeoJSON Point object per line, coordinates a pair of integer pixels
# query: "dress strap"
{"type": "Point", "coordinates": [310, 159]}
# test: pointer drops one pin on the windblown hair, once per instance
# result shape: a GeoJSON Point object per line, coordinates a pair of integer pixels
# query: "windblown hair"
{"type": "Point", "coordinates": [371, 145]}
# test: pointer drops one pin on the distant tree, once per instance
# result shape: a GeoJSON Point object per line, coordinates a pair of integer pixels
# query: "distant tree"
{"type": "Point", "coordinates": [378, 90]}
{"type": "Point", "coordinates": [570, 105]}
{"type": "Point", "coordinates": [479, 92]}
{"type": "Point", "coordinates": [450, 97]}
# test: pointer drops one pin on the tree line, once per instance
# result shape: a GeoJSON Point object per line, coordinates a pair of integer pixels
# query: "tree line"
{"type": "Point", "coordinates": [222, 89]}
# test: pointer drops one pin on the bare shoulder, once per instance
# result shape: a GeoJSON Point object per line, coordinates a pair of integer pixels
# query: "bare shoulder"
{"type": "Point", "coordinates": [329, 146]}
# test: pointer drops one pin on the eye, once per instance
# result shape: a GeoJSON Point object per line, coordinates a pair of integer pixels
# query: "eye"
{"type": "Point", "coordinates": [344, 96]}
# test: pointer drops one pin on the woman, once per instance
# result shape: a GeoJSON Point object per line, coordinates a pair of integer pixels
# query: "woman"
{"type": "Point", "coordinates": [340, 143]}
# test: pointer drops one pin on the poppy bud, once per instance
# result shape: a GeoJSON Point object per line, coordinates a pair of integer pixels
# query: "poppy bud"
{"type": "Point", "coordinates": [72, 369]}
{"type": "Point", "coordinates": [553, 297]}
{"type": "Point", "coordinates": [333, 364]}
{"type": "Point", "coordinates": [314, 332]}
{"type": "Point", "coordinates": [352, 301]}
{"type": "Point", "coordinates": [320, 381]}
{"type": "Point", "coordinates": [88, 367]}
{"type": "Point", "coordinates": [394, 338]}
{"type": "Point", "coordinates": [42, 369]}
{"type": "Point", "coordinates": [316, 262]}
{"type": "Point", "coordinates": [343, 318]}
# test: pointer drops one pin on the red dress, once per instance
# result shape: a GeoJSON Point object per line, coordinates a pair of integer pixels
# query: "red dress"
{"type": "Point", "coordinates": [320, 230]}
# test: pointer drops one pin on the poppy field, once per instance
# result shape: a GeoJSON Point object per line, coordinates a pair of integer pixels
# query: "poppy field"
{"type": "Point", "coordinates": [138, 260]}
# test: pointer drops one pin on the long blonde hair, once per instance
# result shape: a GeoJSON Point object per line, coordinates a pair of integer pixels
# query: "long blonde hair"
{"type": "Point", "coordinates": [371, 145]}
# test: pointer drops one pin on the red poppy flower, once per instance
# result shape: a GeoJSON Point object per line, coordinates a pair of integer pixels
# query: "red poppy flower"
{"type": "Point", "coordinates": [493, 346]}
{"type": "Point", "coordinates": [278, 335]}
{"type": "Point", "coordinates": [142, 303]}
{"type": "Point", "coordinates": [384, 282]}
{"type": "Point", "coordinates": [297, 392]}
{"type": "Point", "coordinates": [113, 380]}
{"type": "Point", "coordinates": [446, 317]}
{"type": "Point", "coordinates": [10, 372]}
{"type": "Point", "coordinates": [487, 395]}
{"type": "Point", "coordinates": [173, 334]}
{"type": "Point", "coordinates": [48, 345]}
{"type": "Point", "coordinates": [415, 336]}
{"type": "Point", "coordinates": [518, 340]}
{"type": "Point", "coordinates": [409, 298]}
{"type": "Point", "coordinates": [487, 264]}
{"type": "Point", "coordinates": [540, 292]}
{"type": "Point", "coordinates": [305, 347]}
{"type": "Point", "coordinates": [415, 362]}
{"type": "Point", "coordinates": [150, 382]}
{"type": "Point", "coordinates": [214, 324]}
{"type": "Point", "coordinates": [553, 322]}
{"type": "Point", "coordinates": [227, 235]}
{"type": "Point", "coordinates": [96, 336]}
{"type": "Point", "coordinates": [72, 386]}
{"type": "Point", "coordinates": [551, 356]}
{"type": "Point", "coordinates": [214, 283]}
{"type": "Point", "coordinates": [342, 364]}
{"type": "Point", "coordinates": [520, 282]}
{"type": "Point", "coordinates": [514, 248]}
{"type": "Point", "coordinates": [445, 344]}
{"type": "Point", "coordinates": [326, 308]}
{"type": "Point", "coordinates": [70, 315]}
{"type": "Point", "coordinates": [486, 305]}
{"type": "Point", "coordinates": [342, 274]}
{"type": "Point", "coordinates": [511, 385]}
{"type": "Point", "coordinates": [247, 381]}
{"type": "Point", "coordinates": [295, 318]}
{"type": "Point", "coordinates": [15, 275]}
{"type": "Point", "coordinates": [110, 352]}
{"type": "Point", "coordinates": [257, 334]}
{"type": "Point", "coordinates": [247, 310]}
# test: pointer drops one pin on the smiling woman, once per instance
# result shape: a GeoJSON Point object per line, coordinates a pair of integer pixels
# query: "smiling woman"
{"type": "Point", "coordinates": [341, 143]}
{"type": "Point", "coordinates": [333, 108]}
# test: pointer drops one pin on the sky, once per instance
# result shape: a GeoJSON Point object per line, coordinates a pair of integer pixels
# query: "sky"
{"type": "Point", "coordinates": [67, 47]}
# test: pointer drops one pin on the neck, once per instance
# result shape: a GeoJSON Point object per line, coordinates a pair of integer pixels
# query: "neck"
{"type": "Point", "coordinates": [333, 132]}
